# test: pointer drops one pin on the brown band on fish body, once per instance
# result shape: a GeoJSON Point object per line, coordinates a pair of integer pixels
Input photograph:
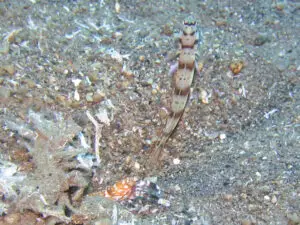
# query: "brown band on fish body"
{"type": "Point", "coordinates": [186, 65]}
{"type": "Point", "coordinates": [177, 114]}
{"type": "Point", "coordinates": [187, 41]}
{"type": "Point", "coordinates": [183, 92]}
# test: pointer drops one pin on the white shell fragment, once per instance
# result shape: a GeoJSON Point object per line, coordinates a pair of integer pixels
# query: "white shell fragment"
{"type": "Point", "coordinates": [222, 136]}
{"type": "Point", "coordinates": [102, 116]}
{"type": "Point", "coordinates": [117, 7]}
{"type": "Point", "coordinates": [76, 82]}
{"type": "Point", "coordinates": [176, 161]}
{"type": "Point", "coordinates": [204, 96]}
{"type": "Point", "coordinates": [268, 114]}
{"type": "Point", "coordinates": [76, 95]}
{"type": "Point", "coordinates": [83, 141]}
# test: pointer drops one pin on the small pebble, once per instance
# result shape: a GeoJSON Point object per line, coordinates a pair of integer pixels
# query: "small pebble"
{"type": "Point", "coordinates": [267, 198]}
{"type": "Point", "coordinates": [142, 58]}
{"type": "Point", "coordinates": [60, 99]}
{"type": "Point", "coordinates": [154, 91]}
{"type": "Point", "coordinates": [10, 69]}
{"type": "Point", "coordinates": [98, 97]}
{"type": "Point", "coordinates": [117, 35]}
{"type": "Point", "coordinates": [125, 84]}
{"type": "Point", "coordinates": [75, 104]}
{"type": "Point", "coordinates": [149, 81]}
{"type": "Point", "coordinates": [76, 95]}
{"type": "Point", "coordinates": [204, 96]}
{"type": "Point", "coordinates": [274, 199]}
{"type": "Point", "coordinates": [246, 222]}
{"type": "Point", "coordinates": [243, 196]}
{"type": "Point", "coordinates": [228, 197]}
{"type": "Point", "coordinates": [163, 113]}
{"type": "Point", "coordinates": [236, 67]}
{"type": "Point", "coordinates": [76, 82]}
{"type": "Point", "coordinates": [279, 6]}
{"type": "Point", "coordinates": [127, 74]}
{"type": "Point", "coordinates": [137, 166]}
{"type": "Point", "coordinates": [94, 77]}
{"type": "Point", "coordinates": [89, 97]}
{"type": "Point", "coordinates": [258, 175]}
{"type": "Point", "coordinates": [177, 187]}
{"type": "Point", "coordinates": [176, 161]}
{"type": "Point", "coordinates": [117, 7]}
{"type": "Point", "coordinates": [51, 80]}
{"type": "Point", "coordinates": [222, 136]}
{"type": "Point", "coordinates": [261, 40]}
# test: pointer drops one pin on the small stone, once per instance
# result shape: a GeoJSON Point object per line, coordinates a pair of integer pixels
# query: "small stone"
{"type": "Point", "coordinates": [204, 96]}
{"type": "Point", "coordinates": [127, 74]}
{"type": "Point", "coordinates": [222, 136]}
{"type": "Point", "coordinates": [261, 40]}
{"type": "Point", "coordinates": [137, 166]}
{"type": "Point", "coordinates": [220, 22]}
{"type": "Point", "coordinates": [200, 66]}
{"type": "Point", "coordinates": [236, 67]}
{"type": "Point", "coordinates": [243, 196]}
{"type": "Point", "coordinates": [258, 175]}
{"type": "Point", "coordinates": [142, 58]}
{"type": "Point", "coordinates": [154, 91]}
{"type": "Point", "coordinates": [267, 198]}
{"type": "Point", "coordinates": [274, 199]}
{"type": "Point", "coordinates": [228, 197]}
{"type": "Point", "coordinates": [279, 6]}
{"type": "Point", "coordinates": [125, 84]}
{"type": "Point", "coordinates": [246, 222]}
{"type": "Point", "coordinates": [177, 188]}
{"type": "Point", "coordinates": [76, 95]}
{"type": "Point", "coordinates": [10, 69]}
{"type": "Point", "coordinates": [168, 30]}
{"type": "Point", "coordinates": [94, 77]}
{"type": "Point", "coordinates": [98, 97]}
{"type": "Point", "coordinates": [89, 97]}
{"type": "Point", "coordinates": [76, 82]}
{"type": "Point", "coordinates": [117, 35]}
{"type": "Point", "coordinates": [51, 80]}
{"type": "Point", "coordinates": [163, 113]}
{"type": "Point", "coordinates": [75, 104]}
{"type": "Point", "coordinates": [149, 81]}
{"type": "Point", "coordinates": [176, 161]}
{"type": "Point", "coordinates": [60, 99]}
{"type": "Point", "coordinates": [117, 7]}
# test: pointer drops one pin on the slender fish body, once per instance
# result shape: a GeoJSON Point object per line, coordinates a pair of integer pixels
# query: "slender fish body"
{"type": "Point", "coordinates": [182, 81]}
